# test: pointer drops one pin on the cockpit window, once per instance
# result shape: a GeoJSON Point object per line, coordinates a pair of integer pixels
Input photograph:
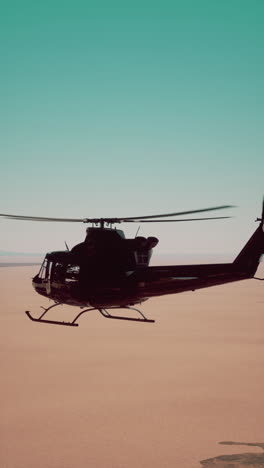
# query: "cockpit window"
{"type": "Point", "coordinates": [43, 272]}
{"type": "Point", "coordinates": [59, 271]}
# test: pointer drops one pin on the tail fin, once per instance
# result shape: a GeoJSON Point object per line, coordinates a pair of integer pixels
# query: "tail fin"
{"type": "Point", "coordinates": [249, 257]}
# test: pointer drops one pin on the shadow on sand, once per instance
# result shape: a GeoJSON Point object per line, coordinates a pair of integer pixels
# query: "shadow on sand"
{"type": "Point", "coordinates": [241, 460]}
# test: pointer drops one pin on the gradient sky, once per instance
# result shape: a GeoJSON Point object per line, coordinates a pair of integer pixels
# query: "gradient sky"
{"type": "Point", "coordinates": [121, 108]}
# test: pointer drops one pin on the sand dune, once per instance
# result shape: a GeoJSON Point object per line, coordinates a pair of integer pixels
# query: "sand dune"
{"type": "Point", "coordinates": [249, 460]}
{"type": "Point", "coordinates": [120, 395]}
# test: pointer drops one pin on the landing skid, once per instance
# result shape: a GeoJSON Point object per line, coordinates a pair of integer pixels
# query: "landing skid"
{"type": "Point", "coordinates": [106, 314]}
{"type": "Point", "coordinates": [103, 312]}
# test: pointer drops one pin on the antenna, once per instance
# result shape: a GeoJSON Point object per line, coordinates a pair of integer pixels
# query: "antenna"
{"type": "Point", "coordinates": [137, 230]}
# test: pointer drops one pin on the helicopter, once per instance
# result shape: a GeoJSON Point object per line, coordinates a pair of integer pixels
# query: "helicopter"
{"type": "Point", "coordinates": [107, 272]}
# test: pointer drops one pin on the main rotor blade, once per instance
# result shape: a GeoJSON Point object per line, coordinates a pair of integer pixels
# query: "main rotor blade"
{"type": "Point", "coordinates": [178, 213]}
{"type": "Point", "coordinates": [174, 220]}
{"type": "Point", "coordinates": [40, 218]}
{"type": "Point", "coordinates": [111, 220]}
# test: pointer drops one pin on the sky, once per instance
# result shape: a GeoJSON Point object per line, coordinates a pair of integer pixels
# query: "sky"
{"type": "Point", "coordinates": [121, 108]}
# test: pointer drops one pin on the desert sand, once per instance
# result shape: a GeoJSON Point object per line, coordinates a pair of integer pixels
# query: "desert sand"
{"type": "Point", "coordinates": [116, 394]}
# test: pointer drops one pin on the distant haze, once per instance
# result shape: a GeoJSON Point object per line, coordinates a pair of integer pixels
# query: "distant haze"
{"type": "Point", "coordinates": [4, 253]}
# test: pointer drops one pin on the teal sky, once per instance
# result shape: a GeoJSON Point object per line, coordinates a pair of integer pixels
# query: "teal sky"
{"type": "Point", "coordinates": [119, 108]}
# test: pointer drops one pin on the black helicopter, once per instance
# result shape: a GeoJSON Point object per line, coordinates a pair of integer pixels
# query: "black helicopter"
{"type": "Point", "coordinates": [108, 271]}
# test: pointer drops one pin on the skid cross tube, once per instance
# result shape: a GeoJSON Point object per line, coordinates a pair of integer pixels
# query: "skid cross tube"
{"type": "Point", "coordinates": [104, 312]}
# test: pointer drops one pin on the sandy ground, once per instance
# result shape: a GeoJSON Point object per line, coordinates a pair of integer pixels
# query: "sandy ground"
{"type": "Point", "coordinates": [128, 395]}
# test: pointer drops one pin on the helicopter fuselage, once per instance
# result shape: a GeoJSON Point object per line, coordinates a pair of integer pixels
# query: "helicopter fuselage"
{"type": "Point", "coordinates": [99, 271]}
{"type": "Point", "coordinates": [107, 270]}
